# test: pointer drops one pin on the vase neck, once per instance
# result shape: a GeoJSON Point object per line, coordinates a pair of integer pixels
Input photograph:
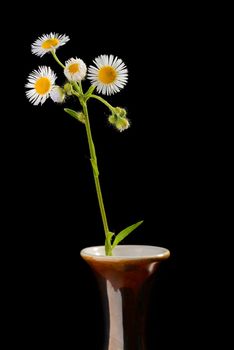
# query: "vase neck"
{"type": "Point", "coordinates": [126, 314]}
{"type": "Point", "coordinates": [125, 289]}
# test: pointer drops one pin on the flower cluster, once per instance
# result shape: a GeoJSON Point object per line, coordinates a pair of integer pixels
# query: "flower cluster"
{"type": "Point", "coordinates": [108, 76]}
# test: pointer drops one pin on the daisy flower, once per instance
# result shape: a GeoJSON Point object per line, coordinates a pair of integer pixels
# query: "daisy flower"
{"type": "Point", "coordinates": [75, 69]}
{"type": "Point", "coordinates": [110, 74]}
{"type": "Point", "coordinates": [40, 83]}
{"type": "Point", "coordinates": [57, 94]}
{"type": "Point", "coordinates": [48, 42]}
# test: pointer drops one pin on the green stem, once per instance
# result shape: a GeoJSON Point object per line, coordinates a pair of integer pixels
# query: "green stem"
{"type": "Point", "coordinates": [56, 59]}
{"type": "Point", "coordinates": [77, 86]}
{"type": "Point", "coordinates": [103, 101]}
{"type": "Point", "coordinates": [95, 169]}
{"type": "Point", "coordinates": [77, 94]}
{"type": "Point", "coordinates": [80, 85]}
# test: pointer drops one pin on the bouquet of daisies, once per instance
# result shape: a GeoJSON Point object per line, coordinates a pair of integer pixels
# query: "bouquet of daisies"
{"type": "Point", "coordinates": [107, 76]}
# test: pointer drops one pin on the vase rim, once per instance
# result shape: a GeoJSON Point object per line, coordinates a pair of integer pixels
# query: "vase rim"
{"type": "Point", "coordinates": [127, 252]}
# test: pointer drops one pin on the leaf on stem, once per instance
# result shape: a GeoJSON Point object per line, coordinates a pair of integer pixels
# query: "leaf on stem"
{"type": "Point", "coordinates": [124, 233]}
{"type": "Point", "coordinates": [89, 91]}
{"type": "Point", "coordinates": [77, 115]}
{"type": "Point", "coordinates": [71, 112]}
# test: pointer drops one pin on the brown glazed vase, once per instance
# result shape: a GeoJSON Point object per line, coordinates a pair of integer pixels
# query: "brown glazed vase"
{"type": "Point", "coordinates": [125, 279]}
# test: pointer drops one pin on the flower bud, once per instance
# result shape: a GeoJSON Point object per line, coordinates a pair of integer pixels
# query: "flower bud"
{"type": "Point", "coordinates": [122, 124]}
{"type": "Point", "coordinates": [112, 119]}
{"type": "Point", "coordinates": [120, 112]}
{"type": "Point", "coordinates": [57, 94]}
{"type": "Point", "coordinates": [118, 119]}
{"type": "Point", "coordinates": [68, 89]}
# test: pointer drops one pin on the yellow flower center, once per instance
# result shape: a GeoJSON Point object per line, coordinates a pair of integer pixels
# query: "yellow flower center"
{"type": "Point", "coordinates": [50, 43]}
{"type": "Point", "coordinates": [73, 68]}
{"type": "Point", "coordinates": [107, 75]}
{"type": "Point", "coordinates": [42, 85]}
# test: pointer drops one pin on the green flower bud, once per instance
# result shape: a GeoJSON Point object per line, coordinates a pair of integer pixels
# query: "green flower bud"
{"type": "Point", "coordinates": [118, 119]}
{"type": "Point", "coordinates": [68, 89]}
{"type": "Point", "coordinates": [120, 112]}
{"type": "Point", "coordinates": [112, 119]}
{"type": "Point", "coordinates": [122, 124]}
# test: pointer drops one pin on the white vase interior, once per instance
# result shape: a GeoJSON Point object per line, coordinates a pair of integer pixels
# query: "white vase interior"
{"type": "Point", "coordinates": [128, 251]}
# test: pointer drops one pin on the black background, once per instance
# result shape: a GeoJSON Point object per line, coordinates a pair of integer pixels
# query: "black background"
{"type": "Point", "coordinates": [147, 172]}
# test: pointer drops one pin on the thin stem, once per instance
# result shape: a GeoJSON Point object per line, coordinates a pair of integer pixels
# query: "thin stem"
{"type": "Point", "coordinates": [80, 85]}
{"type": "Point", "coordinates": [95, 169]}
{"type": "Point", "coordinates": [76, 86]}
{"type": "Point", "coordinates": [56, 59]}
{"type": "Point", "coordinates": [103, 101]}
{"type": "Point", "coordinates": [76, 93]}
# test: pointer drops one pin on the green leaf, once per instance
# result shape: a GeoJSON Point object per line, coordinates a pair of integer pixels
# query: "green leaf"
{"type": "Point", "coordinates": [108, 247]}
{"type": "Point", "coordinates": [124, 233]}
{"type": "Point", "coordinates": [71, 112]}
{"type": "Point", "coordinates": [90, 91]}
